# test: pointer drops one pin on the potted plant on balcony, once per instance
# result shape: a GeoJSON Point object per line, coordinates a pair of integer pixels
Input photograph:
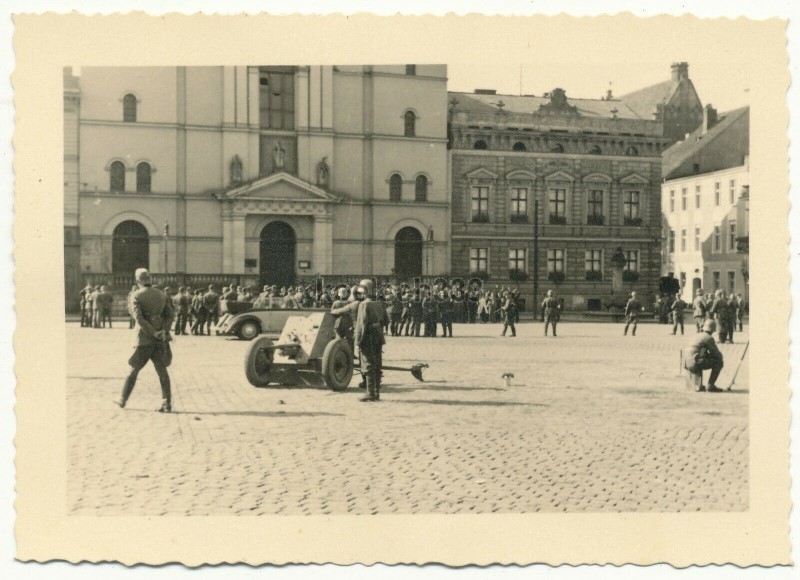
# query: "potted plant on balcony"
{"type": "Point", "coordinates": [480, 274]}
{"type": "Point", "coordinates": [480, 217]}
{"type": "Point", "coordinates": [631, 276]}
{"type": "Point", "coordinates": [594, 276]}
{"type": "Point", "coordinates": [595, 220]}
{"type": "Point", "coordinates": [518, 218]}
{"type": "Point", "coordinates": [558, 220]}
{"type": "Point", "coordinates": [517, 275]}
{"type": "Point", "coordinates": [556, 276]}
{"type": "Point", "coordinates": [629, 221]}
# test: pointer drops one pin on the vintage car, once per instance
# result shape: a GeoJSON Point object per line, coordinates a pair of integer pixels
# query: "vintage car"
{"type": "Point", "coordinates": [242, 320]}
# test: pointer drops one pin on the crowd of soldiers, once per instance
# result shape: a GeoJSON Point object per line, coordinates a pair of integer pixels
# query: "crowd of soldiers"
{"type": "Point", "coordinates": [96, 304]}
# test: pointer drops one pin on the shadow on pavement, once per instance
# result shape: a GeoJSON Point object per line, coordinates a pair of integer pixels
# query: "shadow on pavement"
{"type": "Point", "coordinates": [431, 386]}
{"type": "Point", "coordinates": [263, 413]}
{"type": "Point", "coordinates": [469, 403]}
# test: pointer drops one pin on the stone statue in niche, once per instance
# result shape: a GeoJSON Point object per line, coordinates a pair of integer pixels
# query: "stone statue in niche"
{"type": "Point", "coordinates": [278, 157]}
{"type": "Point", "coordinates": [323, 172]}
{"type": "Point", "coordinates": [236, 169]}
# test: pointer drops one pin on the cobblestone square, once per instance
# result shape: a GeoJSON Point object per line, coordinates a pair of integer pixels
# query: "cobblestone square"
{"type": "Point", "coordinates": [592, 422]}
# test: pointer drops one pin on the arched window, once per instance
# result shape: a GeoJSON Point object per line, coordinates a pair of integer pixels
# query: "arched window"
{"type": "Point", "coordinates": [557, 148]}
{"type": "Point", "coordinates": [596, 150]}
{"type": "Point", "coordinates": [410, 124]}
{"type": "Point", "coordinates": [480, 144]}
{"type": "Point", "coordinates": [519, 146]}
{"type": "Point", "coordinates": [143, 178]}
{"type": "Point", "coordinates": [117, 176]}
{"type": "Point", "coordinates": [395, 187]}
{"type": "Point", "coordinates": [129, 108]}
{"type": "Point", "coordinates": [421, 188]}
{"type": "Point", "coordinates": [632, 151]}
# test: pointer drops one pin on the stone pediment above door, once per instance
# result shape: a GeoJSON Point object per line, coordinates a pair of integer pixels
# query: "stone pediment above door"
{"type": "Point", "coordinates": [278, 187]}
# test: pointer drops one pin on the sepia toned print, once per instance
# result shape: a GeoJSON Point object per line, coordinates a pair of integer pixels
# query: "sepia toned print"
{"type": "Point", "coordinates": [367, 291]}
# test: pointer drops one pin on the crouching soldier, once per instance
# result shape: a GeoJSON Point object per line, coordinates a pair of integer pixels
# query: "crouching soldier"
{"type": "Point", "coordinates": [371, 317]}
{"type": "Point", "coordinates": [705, 355]}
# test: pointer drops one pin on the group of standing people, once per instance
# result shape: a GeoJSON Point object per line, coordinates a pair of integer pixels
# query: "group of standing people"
{"type": "Point", "coordinates": [96, 303]}
{"type": "Point", "coordinates": [727, 311]}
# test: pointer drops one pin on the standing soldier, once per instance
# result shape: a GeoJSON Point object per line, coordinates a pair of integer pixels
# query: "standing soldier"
{"type": "Point", "coordinates": [396, 309]}
{"type": "Point", "coordinates": [344, 326]}
{"type": "Point", "coordinates": [181, 305]}
{"type": "Point", "coordinates": [405, 314]}
{"type": "Point", "coordinates": [211, 301]}
{"type": "Point", "coordinates": [458, 304]}
{"type": "Point", "coordinates": [552, 310]}
{"type": "Point", "coordinates": [632, 310]}
{"type": "Point", "coordinates": [152, 311]}
{"type": "Point", "coordinates": [700, 310]}
{"type": "Point", "coordinates": [473, 297]}
{"type": "Point", "coordinates": [95, 301]}
{"type": "Point", "coordinates": [731, 317]}
{"type": "Point", "coordinates": [415, 309]}
{"type": "Point", "coordinates": [678, 306]}
{"type": "Point", "coordinates": [719, 312]}
{"type": "Point", "coordinates": [199, 312]}
{"type": "Point", "coordinates": [371, 317]}
{"type": "Point", "coordinates": [106, 299]}
{"type": "Point", "coordinates": [739, 311]}
{"type": "Point", "coordinates": [429, 313]}
{"type": "Point", "coordinates": [509, 310]}
{"type": "Point", "coordinates": [85, 308]}
{"type": "Point", "coordinates": [705, 355]}
{"type": "Point", "coordinates": [444, 308]}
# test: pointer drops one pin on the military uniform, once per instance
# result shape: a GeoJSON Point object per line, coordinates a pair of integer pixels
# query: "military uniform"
{"type": "Point", "coordinates": [704, 355]}
{"type": "Point", "coordinates": [343, 326]}
{"type": "Point", "coordinates": [395, 315]}
{"type": "Point", "coordinates": [211, 301]}
{"type": "Point", "coordinates": [415, 311]}
{"type": "Point", "coordinates": [720, 310]}
{"type": "Point", "coordinates": [699, 311]}
{"type": "Point", "coordinates": [472, 306]}
{"type": "Point", "coordinates": [429, 315]}
{"type": "Point", "coordinates": [105, 299]}
{"type": "Point", "coordinates": [509, 310]}
{"type": "Point", "coordinates": [552, 311]}
{"type": "Point", "coordinates": [678, 306]}
{"type": "Point", "coordinates": [181, 303]}
{"type": "Point", "coordinates": [152, 310]}
{"type": "Point", "coordinates": [199, 311]}
{"type": "Point", "coordinates": [632, 310]}
{"type": "Point", "coordinates": [445, 309]}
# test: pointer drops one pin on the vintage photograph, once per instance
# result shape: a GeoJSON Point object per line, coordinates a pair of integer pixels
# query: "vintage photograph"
{"type": "Point", "coordinates": [357, 289]}
{"type": "Point", "coordinates": [261, 263]}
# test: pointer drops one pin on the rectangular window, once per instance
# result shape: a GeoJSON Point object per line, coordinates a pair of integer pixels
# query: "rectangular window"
{"type": "Point", "coordinates": [671, 200]}
{"type": "Point", "coordinates": [593, 263]}
{"type": "Point", "coordinates": [696, 239]}
{"type": "Point", "coordinates": [555, 261]}
{"type": "Point", "coordinates": [516, 260]}
{"type": "Point", "coordinates": [732, 235]}
{"type": "Point", "coordinates": [594, 213]}
{"type": "Point", "coordinates": [276, 99]}
{"type": "Point", "coordinates": [672, 241]}
{"type": "Point", "coordinates": [631, 208]}
{"type": "Point", "coordinates": [731, 282]}
{"type": "Point", "coordinates": [683, 240]}
{"type": "Point", "coordinates": [411, 69]}
{"type": "Point", "coordinates": [716, 281]}
{"type": "Point", "coordinates": [732, 188]}
{"type": "Point", "coordinates": [557, 204]}
{"type": "Point", "coordinates": [716, 192]}
{"type": "Point", "coordinates": [519, 205]}
{"type": "Point", "coordinates": [684, 195]}
{"type": "Point", "coordinates": [480, 204]}
{"type": "Point", "coordinates": [479, 259]}
{"type": "Point", "coordinates": [698, 194]}
{"type": "Point", "coordinates": [717, 239]}
{"type": "Point", "coordinates": [632, 260]}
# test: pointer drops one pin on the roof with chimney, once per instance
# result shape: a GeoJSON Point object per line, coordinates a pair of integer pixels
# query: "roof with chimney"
{"type": "Point", "coordinates": [722, 145]}
{"type": "Point", "coordinates": [644, 101]}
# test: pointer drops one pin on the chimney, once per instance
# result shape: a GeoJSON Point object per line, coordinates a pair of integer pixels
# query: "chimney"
{"type": "Point", "coordinates": [680, 71]}
{"type": "Point", "coordinates": [609, 96]}
{"type": "Point", "coordinates": [485, 91]}
{"type": "Point", "coordinates": [709, 117]}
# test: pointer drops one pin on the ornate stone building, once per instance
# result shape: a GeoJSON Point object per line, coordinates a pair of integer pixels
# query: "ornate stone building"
{"type": "Point", "coordinates": [266, 173]}
{"type": "Point", "coordinates": [592, 167]}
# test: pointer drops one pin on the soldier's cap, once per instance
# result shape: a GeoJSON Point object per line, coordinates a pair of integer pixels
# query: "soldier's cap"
{"type": "Point", "coordinates": [142, 275]}
{"type": "Point", "coordinates": [210, 286]}
{"type": "Point", "coordinates": [709, 326]}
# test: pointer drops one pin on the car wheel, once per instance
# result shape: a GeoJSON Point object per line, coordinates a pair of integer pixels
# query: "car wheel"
{"type": "Point", "coordinates": [337, 364]}
{"type": "Point", "coordinates": [258, 363]}
{"type": "Point", "coordinates": [248, 330]}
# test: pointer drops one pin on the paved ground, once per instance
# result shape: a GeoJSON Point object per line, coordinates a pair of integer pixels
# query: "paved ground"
{"type": "Point", "coordinates": [593, 421]}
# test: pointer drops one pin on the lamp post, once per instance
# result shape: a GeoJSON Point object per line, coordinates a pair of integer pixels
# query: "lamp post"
{"type": "Point", "coordinates": [428, 254]}
{"type": "Point", "coordinates": [535, 256]}
{"type": "Point", "coordinates": [166, 247]}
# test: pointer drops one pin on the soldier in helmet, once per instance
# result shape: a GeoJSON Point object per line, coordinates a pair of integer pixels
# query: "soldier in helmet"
{"type": "Point", "coordinates": [705, 355]}
{"type": "Point", "coordinates": [395, 313]}
{"type": "Point", "coordinates": [371, 317]}
{"type": "Point", "coordinates": [699, 309]}
{"type": "Point", "coordinates": [632, 310]}
{"type": "Point", "coordinates": [444, 309]}
{"type": "Point", "coordinates": [678, 306]}
{"type": "Point", "coordinates": [509, 311]}
{"type": "Point", "coordinates": [552, 312]}
{"type": "Point", "coordinates": [344, 326]}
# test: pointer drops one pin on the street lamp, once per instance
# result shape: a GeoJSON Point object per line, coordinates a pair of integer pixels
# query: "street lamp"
{"type": "Point", "coordinates": [428, 254]}
{"type": "Point", "coordinates": [166, 246]}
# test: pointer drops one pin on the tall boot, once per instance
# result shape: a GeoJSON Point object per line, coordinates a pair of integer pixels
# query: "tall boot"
{"type": "Point", "coordinates": [370, 395]}
{"type": "Point", "coordinates": [166, 396]}
{"type": "Point", "coordinates": [127, 389]}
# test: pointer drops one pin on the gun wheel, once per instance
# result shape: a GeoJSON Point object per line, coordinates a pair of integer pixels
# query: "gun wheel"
{"type": "Point", "coordinates": [337, 364]}
{"type": "Point", "coordinates": [258, 362]}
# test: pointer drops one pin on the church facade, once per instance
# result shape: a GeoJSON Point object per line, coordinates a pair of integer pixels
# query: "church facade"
{"type": "Point", "coordinates": [271, 174]}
